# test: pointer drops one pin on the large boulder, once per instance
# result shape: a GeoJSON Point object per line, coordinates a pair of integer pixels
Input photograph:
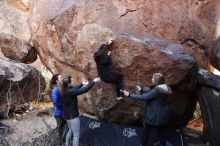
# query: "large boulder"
{"type": "Point", "coordinates": [67, 33]}
{"type": "Point", "coordinates": [17, 49]}
{"type": "Point", "coordinates": [19, 83]}
{"type": "Point", "coordinates": [63, 22]}
{"type": "Point", "coordinates": [209, 97]}
{"type": "Point", "coordinates": [138, 60]}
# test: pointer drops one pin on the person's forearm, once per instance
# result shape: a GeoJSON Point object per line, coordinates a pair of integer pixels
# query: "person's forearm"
{"type": "Point", "coordinates": [86, 88]}
{"type": "Point", "coordinates": [146, 96]}
{"type": "Point", "coordinates": [137, 96]}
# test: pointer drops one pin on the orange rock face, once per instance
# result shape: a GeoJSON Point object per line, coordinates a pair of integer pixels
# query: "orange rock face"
{"type": "Point", "coordinates": [66, 33]}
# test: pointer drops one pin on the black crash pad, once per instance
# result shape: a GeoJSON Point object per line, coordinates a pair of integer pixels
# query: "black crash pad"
{"type": "Point", "coordinates": [99, 133]}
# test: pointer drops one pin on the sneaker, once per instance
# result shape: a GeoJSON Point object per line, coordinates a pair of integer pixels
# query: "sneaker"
{"type": "Point", "coordinates": [119, 98]}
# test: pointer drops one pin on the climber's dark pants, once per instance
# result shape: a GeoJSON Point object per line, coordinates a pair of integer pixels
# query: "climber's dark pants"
{"type": "Point", "coordinates": [114, 78]}
{"type": "Point", "coordinates": [61, 128]}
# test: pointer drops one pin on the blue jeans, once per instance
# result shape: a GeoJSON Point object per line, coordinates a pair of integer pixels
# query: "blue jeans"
{"type": "Point", "coordinates": [74, 129]}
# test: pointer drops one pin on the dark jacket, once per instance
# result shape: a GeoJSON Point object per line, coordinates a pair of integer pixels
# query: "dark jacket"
{"type": "Point", "coordinates": [102, 63]}
{"type": "Point", "coordinates": [156, 110]}
{"type": "Point", "coordinates": [57, 102]}
{"type": "Point", "coordinates": [70, 100]}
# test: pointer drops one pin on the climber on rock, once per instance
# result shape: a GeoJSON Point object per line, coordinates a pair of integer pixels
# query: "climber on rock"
{"type": "Point", "coordinates": [103, 60]}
